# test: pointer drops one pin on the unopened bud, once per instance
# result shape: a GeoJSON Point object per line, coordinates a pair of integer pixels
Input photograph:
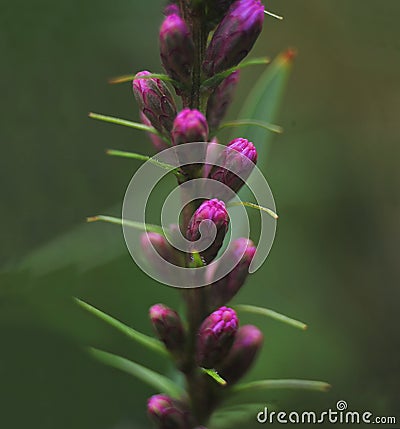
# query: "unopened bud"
{"type": "Point", "coordinates": [237, 159]}
{"type": "Point", "coordinates": [168, 413]}
{"type": "Point", "coordinates": [234, 36]}
{"type": "Point", "coordinates": [215, 337]}
{"type": "Point", "coordinates": [168, 326]}
{"type": "Point", "coordinates": [155, 102]}
{"type": "Point", "coordinates": [223, 290]}
{"type": "Point", "coordinates": [212, 216]}
{"type": "Point", "coordinates": [176, 48]}
{"type": "Point", "coordinates": [248, 341]}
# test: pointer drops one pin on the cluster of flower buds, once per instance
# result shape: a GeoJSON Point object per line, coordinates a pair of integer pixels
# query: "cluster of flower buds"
{"type": "Point", "coordinates": [215, 341]}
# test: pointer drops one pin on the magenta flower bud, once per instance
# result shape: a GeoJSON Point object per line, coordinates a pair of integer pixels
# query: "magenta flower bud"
{"type": "Point", "coordinates": [220, 100]}
{"type": "Point", "coordinates": [234, 36]}
{"type": "Point", "coordinates": [176, 48]}
{"type": "Point", "coordinates": [168, 413]}
{"type": "Point", "coordinates": [168, 327]}
{"type": "Point", "coordinates": [171, 9]}
{"type": "Point", "coordinates": [155, 102]}
{"type": "Point", "coordinates": [248, 341]}
{"type": "Point", "coordinates": [215, 337]}
{"type": "Point", "coordinates": [223, 290]}
{"type": "Point", "coordinates": [189, 126]}
{"type": "Point", "coordinates": [216, 11]}
{"type": "Point", "coordinates": [158, 143]}
{"type": "Point", "coordinates": [233, 165]}
{"type": "Point", "coordinates": [209, 216]}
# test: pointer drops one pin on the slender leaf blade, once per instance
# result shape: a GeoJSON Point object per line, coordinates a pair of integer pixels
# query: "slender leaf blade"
{"type": "Point", "coordinates": [146, 341]}
{"type": "Point", "coordinates": [146, 375]}
{"type": "Point", "coordinates": [272, 314]}
{"type": "Point", "coordinates": [292, 384]}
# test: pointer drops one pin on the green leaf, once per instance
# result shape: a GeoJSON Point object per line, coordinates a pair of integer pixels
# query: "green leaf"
{"type": "Point", "coordinates": [215, 376]}
{"type": "Point", "coordinates": [130, 77]}
{"type": "Point", "coordinates": [125, 123]}
{"type": "Point", "coordinates": [148, 376]}
{"type": "Point", "coordinates": [263, 103]}
{"type": "Point", "coordinates": [146, 341]}
{"type": "Point", "coordinates": [272, 314]}
{"type": "Point", "coordinates": [294, 384]}
{"type": "Point", "coordinates": [138, 156]}
{"type": "Point", "coordinates": [232, 416]}
{"type": "Point", "coordinates": [214, 81]}
{"type": "Point", "coordinates": [253, 206]}
{"type": "Point", "coordinates": [117, 221]}
{"type": "Point", "coordinates": [248, 122]}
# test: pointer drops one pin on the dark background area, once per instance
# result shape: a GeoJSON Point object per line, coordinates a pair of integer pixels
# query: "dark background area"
{"type": "Point", "coordinates": [334, 174]}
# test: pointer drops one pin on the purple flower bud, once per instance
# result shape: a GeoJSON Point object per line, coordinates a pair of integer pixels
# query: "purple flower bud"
{"type": "Point", "coordinates": [176, 48]}
{"type": "Point", "coordinates": [189, 126]}
{"type": "Point", "coordinates": [220, 100]}
{"type": "Point", "coordinates": [155, 102]}
{"type": "Point", "coordinates": [171, 9]}
{"type": "Point", "coordinates": [215, 337]}
{"type": "Point", "coordinates": [233, 165]}
{"type": "Point", "coordinates": [158, 143]}
{"type": "Point", "coordinates": [248, 341]}
{"type": "Point", "coordinates": [210, 215]}
{"type": "Point", "coordinates": [223, 290]}
{"type": "Point", "coordinates": [168, 413]}
{"type": "Point", "coordinates": [168, 326]}
{"type": "Point", "coordinates": [234, 36]}
{"type": "Point", "coordinates": [216, 11]}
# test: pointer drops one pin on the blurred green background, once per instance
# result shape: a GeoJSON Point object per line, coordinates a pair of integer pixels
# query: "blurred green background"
{"type": "Point", "coordinates": [334, 174]}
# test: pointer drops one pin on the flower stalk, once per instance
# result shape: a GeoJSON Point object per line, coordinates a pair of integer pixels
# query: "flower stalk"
{"type": "Point", "coordinates": [206, 343]}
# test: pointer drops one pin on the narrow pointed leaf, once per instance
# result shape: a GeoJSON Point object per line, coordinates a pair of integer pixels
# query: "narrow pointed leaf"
{"type": "Point", "coordinates": [265, 385]}
{"type": "Point", "coordinates": [146, 341]}
{"type": "Point", "coordinates": [126, 123]}
{"type": "Point", "coordinates": [248, 122]}
{"type": "Point", "coordinates": [214, 81]}
{"type": "Point", "coordinates": [272, 314]}
{"type": "Point", "coordinates": [264, 100]}
{"type": "Point", "coordinates": [146, 158]}
{"type": "Point", "coordinates": [254, 206]}
{"type": "Point", "coordinates": [215, 376]}
{"type": "Point", "coordinates": [146, 375]}
{"type": "Point", "coordinates": [117, 221]}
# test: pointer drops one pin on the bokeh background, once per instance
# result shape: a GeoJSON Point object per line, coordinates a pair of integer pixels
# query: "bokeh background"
{"type": "Point", "coordinates": [334, 174]}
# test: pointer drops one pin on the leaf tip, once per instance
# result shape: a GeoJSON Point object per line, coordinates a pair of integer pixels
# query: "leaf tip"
{"type": "Point", "coordinates": [289, 55]}
{"type": "Point", "coordinates": [92, 219]}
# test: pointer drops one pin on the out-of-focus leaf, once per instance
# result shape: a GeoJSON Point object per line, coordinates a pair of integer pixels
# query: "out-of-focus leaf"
{"type": "Point", "coordinates": [148, 376]}
{"type": "Point", "coordinates": [258, 385]}
{"type": "Point", "coordinates": [272, 314]}
{"type": "Point", "coordinates": [263, 103]}
{"type": "Point", "coordinates": [233, 416]}
{"type": "Point", "coordinates": [144, 340]}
